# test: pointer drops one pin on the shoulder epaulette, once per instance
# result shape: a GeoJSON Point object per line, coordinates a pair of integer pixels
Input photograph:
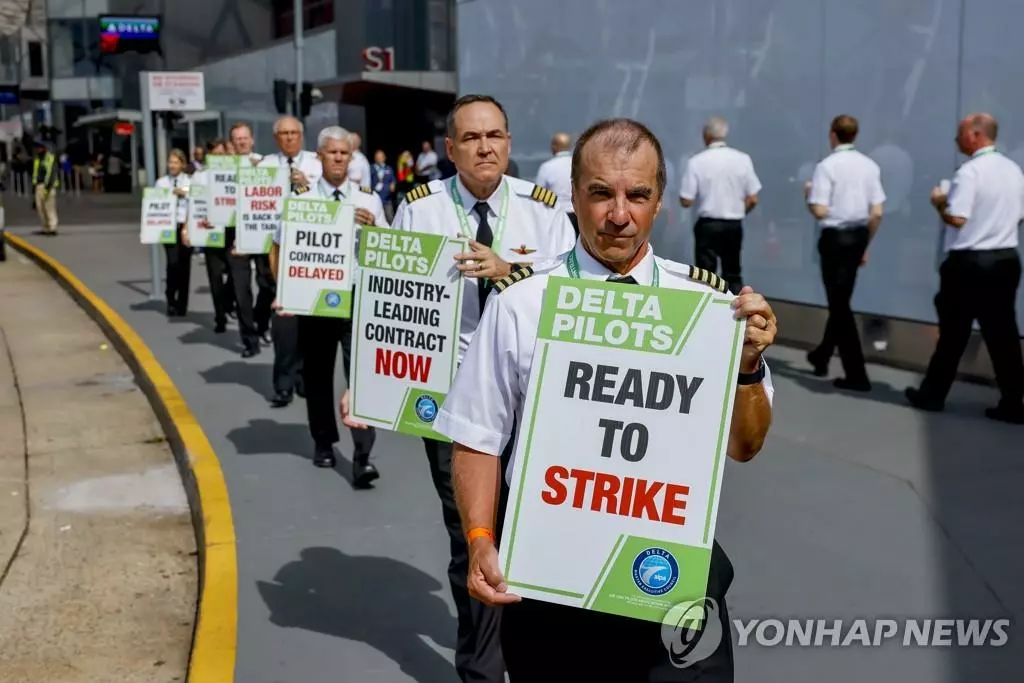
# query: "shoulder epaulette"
{"type": "Point", "coordinates": [418, 192]}
{"type": "Point", "coordinates": [301, 189]}
{"type": "Point", "coordinates": [544, 196]}
{"type": "Point", "coordinates": [367, 190]}
{"type": "Point", "coordinates": [708, 278]}
{"type": "Point", "coordinates": [517, 275]}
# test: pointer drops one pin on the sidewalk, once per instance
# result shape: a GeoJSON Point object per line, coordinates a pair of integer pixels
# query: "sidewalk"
{"type": "Point", "coordinates": [98, 576]}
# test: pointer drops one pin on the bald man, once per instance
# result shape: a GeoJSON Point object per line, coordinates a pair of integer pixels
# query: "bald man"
{"type": "Point", "coordinates": [981, 273]}
{"type": "Point", "coordinates": [554, 174]}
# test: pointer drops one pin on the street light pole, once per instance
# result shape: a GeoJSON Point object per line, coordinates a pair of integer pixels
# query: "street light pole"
{"type": "Point", "coordinates": [297, 10]}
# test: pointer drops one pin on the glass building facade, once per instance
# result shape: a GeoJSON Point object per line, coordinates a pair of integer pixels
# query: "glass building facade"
{"type": "Point", "coordinates": [778, 70]}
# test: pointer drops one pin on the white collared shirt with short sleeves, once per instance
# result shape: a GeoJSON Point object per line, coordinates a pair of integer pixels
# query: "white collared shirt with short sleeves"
{"type": "Point", "coordinates": [533, 231]}
{"type": "Point", "coordinates": [849, 184]}
{"type": "Point", "coordinates": [556, 175]}
{"type": "Point", "coordinates": [307, 162]}
{"type": "Point", "coordinates": [182, 180]}
{"type": "Point", "coordinates": [987, 191]}
{"type": "Point", "coordinates": [718, 180]}
{"type": "Point", "coordinates": [489, 392]}
{"type": "Point", "coordinates": [348, 192]}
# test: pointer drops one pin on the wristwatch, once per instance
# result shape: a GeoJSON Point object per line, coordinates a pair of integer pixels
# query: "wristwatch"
{"type": "Point", "coordinates": [748, 378]}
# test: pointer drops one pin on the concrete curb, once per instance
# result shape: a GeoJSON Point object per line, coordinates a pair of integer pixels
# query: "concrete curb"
{"type": "Point", "coordinates": [214, 641]}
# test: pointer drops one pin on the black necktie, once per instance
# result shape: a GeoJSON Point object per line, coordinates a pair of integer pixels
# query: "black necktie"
{"type": "Point", "coordinates": [486, 237]}
{"type": "Point", "coordinates": [337, 195]}
{"type": "Point", "coordinates": [623, 279]}
{"type": "Point", "coordinates": [291, 162]}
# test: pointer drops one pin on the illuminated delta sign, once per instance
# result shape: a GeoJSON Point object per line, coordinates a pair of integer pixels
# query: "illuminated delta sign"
{"type": "Point", "coordinates": [120, 34]}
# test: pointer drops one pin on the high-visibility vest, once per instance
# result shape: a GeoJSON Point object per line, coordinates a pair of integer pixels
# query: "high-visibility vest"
{"type": "Point", "coordinates": [49, 160]}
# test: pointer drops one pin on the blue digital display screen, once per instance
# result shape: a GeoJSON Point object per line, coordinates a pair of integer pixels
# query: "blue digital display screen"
{"type": "Point", "coordinates": [129, 34]}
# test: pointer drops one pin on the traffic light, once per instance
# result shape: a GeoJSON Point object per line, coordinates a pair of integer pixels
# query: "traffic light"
{"type": "Point", "coordinates": [306, 100]}
{"type": "Point", "coordinates": [282, 96]}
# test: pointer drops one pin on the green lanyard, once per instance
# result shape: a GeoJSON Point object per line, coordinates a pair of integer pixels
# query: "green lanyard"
{"type": "Point", "coordinates": [573, 264]}
{"type": "Point", "coordinates": [983, 152]}
{"type": "Point", "coordinates": [499, 229]}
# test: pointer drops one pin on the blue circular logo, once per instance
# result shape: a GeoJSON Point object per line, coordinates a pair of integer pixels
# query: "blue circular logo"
{"type": "Point", "coordinates": [655, 571]}
{"type": "Point", "coordinates": [333, 299]}
{"type": "Point", "coordinates": [426, 408]}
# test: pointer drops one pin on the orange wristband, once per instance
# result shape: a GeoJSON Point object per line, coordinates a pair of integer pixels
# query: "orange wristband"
{"type": "Point", "coordinates": [479, 532]}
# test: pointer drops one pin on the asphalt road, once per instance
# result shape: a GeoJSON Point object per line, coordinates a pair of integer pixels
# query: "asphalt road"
{"type": "Point", "coordinates": [858, 507]}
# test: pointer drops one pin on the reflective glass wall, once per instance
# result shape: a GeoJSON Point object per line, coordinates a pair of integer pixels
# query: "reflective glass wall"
{"type": "Point", "coordinates": [778, 70]}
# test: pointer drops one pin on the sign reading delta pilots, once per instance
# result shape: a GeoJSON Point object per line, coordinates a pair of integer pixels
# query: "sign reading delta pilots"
{"type": "Point", "coordinates": [315, 265]}
{"type": "Point", "coordinates": [406, 329]}
{"type": "Point", "coordinates": [618, 469]}
{"type": "Point", "coordinates": [263, 191]}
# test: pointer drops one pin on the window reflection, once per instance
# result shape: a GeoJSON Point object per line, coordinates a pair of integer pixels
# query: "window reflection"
{"type": "Point", "coordinates": [75, 49]}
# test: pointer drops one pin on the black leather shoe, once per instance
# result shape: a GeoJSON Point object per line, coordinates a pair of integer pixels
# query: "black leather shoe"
{"type": "Point", "coordinates": [922, 402]}
{"type": "Point", "coordinates": [266, 338]}
{"type": "Point", "coordinates": [363, 474]}
{"type": "Point", "coordinates": [818, 368]}
{"type": "Point", "coordinates": [219, 328]}
{"type": "Point", "coordinates": [250, 351]}
{"type": "Point", "coordinates": [280, 399]}
{"type": "Point", "coordinates": [862, 385]}
{"type": "Point", "coordinates": [1003, 413]}
{"type": "Point", "coordinates": [324, 457]}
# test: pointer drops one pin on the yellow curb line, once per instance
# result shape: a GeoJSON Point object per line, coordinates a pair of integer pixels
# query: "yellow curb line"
{"type": "Point", "coordinates": [215, 640]}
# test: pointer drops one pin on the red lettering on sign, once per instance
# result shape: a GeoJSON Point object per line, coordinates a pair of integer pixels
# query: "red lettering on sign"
{"type": "Point", "coordinates": [224, 201]}
{"type": "Point", "coordinates": [400, 364]}
{"type": "Point", "coordinates": [307, 273]}
{"type": "Point", "coordinates": [614, 495]}
{"type": "Point", "coordinates": [262, 191]}
{"type": "Point", "coordinates": [264, 205]}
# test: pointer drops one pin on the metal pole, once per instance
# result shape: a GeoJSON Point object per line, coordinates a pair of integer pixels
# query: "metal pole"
{"type": "Point", "coordinates": [161, 147]}
{"type": "Point", "coordinates": [134, 141]}
{"type": "Point", "coordinates": [191, 137]}
{"type": "Point", "coordinates": [150, 161]}
{"type": "Point", "coordinates": [297, 11]}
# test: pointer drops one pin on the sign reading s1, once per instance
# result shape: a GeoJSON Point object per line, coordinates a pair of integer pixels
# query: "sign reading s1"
{"type": "Point", "coordinates": [379, 58]}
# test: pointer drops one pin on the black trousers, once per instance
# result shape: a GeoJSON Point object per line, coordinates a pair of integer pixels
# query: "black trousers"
{"type": "Point", "coordinates": [478, 656]}
{"type": "Point", "coordinates": [219, 273]}
{"type": "Point", "coordinates": [178, 275]}
{"type": "Point", "coordinates": [982, 286]}
{"type": "Point", "coordinates": [318, 347]}
{"type": "Point", "coordinates": [841, 254]}
{"type": "Point", "coordinates": [284, 331]}
{"type": "Point", "coordinates": [717, 241]}
{"type": "Point", "coordinates": [253, 320]}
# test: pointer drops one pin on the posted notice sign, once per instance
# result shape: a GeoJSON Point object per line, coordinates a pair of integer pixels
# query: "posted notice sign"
{"type": "Point", "coordinates": [176, 90]}
{"type": "Point", "coordinates": [619, 463]}
{"type": "Point", "coordinates": [315, 265]}
{"type": "Point", "coordinates": [263, 191]}
{"type": "Point", "coordinates": [406, 329]}
{"type": "Point", "coordinates": [223, 176]}
{"type": "Point", "coordinates": [201, 233]}
{"type": "Point", "coordinates": [158, 210]}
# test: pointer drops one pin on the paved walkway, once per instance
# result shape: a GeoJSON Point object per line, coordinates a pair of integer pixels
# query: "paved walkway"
{"type": "Point", "coordinates": [857, 507]}
{"type": "Point", "coordinates": [98, 575]}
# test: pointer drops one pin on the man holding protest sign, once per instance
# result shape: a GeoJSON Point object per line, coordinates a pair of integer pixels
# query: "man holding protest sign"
{"type": "Point", "coordinates": [319, 336]}
{"type": "Point", "coordinates": [509, 222]}
{"type": "Point", "coordinates": [599, 602]}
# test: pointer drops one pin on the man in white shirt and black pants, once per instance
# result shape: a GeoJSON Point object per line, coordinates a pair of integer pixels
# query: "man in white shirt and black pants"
{"type": "Point", "coordinates": [981, 273]}
{"type": "Point", "coordinates": [555, 174]}
{"type": "Point", "coordinates": [847, 198]}
{"type": "Point", "coordinates": [723, 184]}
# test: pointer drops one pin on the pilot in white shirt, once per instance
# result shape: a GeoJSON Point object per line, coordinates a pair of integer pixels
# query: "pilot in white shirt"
{"type": "Point", "coordinates": [980, 276]}
{"type": "Point", "coordinates": [359, 166]}
{"type": "Point", "coordinates": [619, 193]}
{"type": "Point", "coordinates": [305, 161]}
{"type": "Point", "coordinates": [556, 173]}
{"type": "Point", "coordinates": [846, 196]}
{"type": "Point", "coordinates": [178, 254]}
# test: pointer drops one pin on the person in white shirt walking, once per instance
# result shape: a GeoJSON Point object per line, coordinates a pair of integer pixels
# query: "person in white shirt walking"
{"type": "Point", "coordinates": [981, 273]}
{"type": "Point", "coordinates": [847, 198]}
{"type": "Point", "coordinates": [722, 183]}
{"type": "Point", "coordinates": [359, 166]}
{"type": "Point", "coordinates": [179, 254]}
{"type": "Point", "coordinates": [555, 174]}
{"type": "Point", "coordinates": [426, 164]}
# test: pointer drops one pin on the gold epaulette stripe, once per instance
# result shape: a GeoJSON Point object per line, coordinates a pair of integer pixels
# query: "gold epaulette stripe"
{"type": "Point", "coordinates": [544, 196]}
{"type": "Point", "coordinates": [418, 192]}
{"type": "Point", "coordinates": [367, 190]}
{"type": "Point", "coordinates": [515, 276]}
{"type": "Point", "coordinates": [709, 278]}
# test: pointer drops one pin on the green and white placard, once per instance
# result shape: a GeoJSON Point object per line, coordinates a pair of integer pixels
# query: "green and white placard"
{"type": "Point", "coordinates": [620, 455]}
{"type": "Point", "coordinates": [262, 193]}
{"type": "Point", "coordinates": [222, 172]}
{"type": "Point", "coordinates": [202, 233]}
{"type": "Point", "coordinates": [406, 329]}
{"type": "Point", "coordinates": [158, 210]}
{"type": "Point", "coordinates": [315, 268]}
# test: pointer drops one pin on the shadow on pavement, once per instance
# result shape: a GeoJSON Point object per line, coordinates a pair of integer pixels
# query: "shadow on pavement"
{"type": "Point", "coordinates": [204, 334]}
{"type": "Point", "coordinates": [241, 373]}
{"type": "Point", "coordinates": [387, 604]}
{"type": "Point", "coordinates": [267, 437]}
{"type": "Point", "coordinates": [137, 287]}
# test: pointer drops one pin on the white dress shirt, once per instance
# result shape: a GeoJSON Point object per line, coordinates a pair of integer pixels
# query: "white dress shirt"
{"type": "Point", "coordinates": [308, 164]}
{"type": "Point", "coordinates": [489, 391]}
{"type": "Point", "coordinates": [182, 180]}
{"type": "Point", "coordinates": [849, 184]}
{"type": "Point", "coordinates": [533, 231]}
{"type": "Point", "coordinates": [359, 169]}
{"type": "Point", "coordinates": [718, 180]}
{"type": "Point", "coordinates": [556, 175]}
{"type": "Point", "coordinates": [988, 191]}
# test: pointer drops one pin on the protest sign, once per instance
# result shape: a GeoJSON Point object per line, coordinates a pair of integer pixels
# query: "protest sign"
{"type": "Point", "coordinates": [315, 265]}
{"type": "Point", "coordinates": [262, 193]}
{"type": "Point", "coordinates": [222, 170]}
{"type": "Point", "coordinates": [406, 329]}
{"type": "Point", "coordinates": [618, 470]}
{"type": "Point", "coordinates": [198, 215]}
{"type": "Point", "coordinates": [158, 210]}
